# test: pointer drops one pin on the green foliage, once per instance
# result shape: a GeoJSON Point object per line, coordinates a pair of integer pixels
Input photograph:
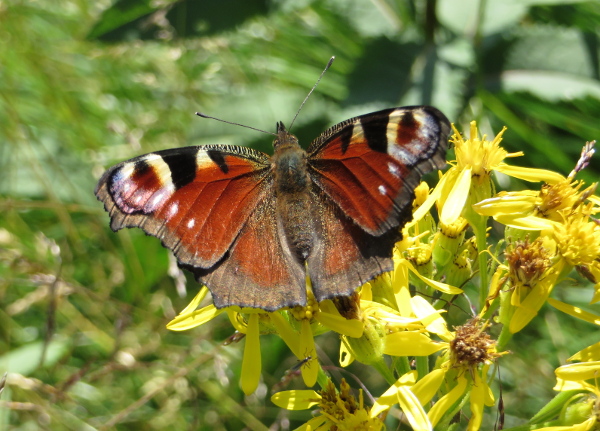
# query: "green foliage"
{"type": "Point", "coordinates": [84, 85]}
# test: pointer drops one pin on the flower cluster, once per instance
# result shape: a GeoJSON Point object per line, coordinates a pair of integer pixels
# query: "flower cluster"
{"type": "Point", "coordinates": [426, 326]}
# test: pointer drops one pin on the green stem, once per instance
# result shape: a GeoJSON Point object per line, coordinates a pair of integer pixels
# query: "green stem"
{"type": "Point", "coordinates": [503, 339]}
{"type": "Point", "coordinates": [384, 370]}
{"type": "Point", "coordinates": [480, 238]}
{"type": "Point", "coordinates": [402, 365]}
{"type": "Point", "coordinates": [322, 378]}
{"type": "Point", "coordinates": [422, 366]}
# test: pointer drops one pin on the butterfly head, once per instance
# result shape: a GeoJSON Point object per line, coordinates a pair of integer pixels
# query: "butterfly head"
{"type": "Point", "coordinates": [284, 138]}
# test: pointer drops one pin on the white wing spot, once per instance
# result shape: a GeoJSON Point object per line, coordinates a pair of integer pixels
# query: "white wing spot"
{"type": "Point", "coordinates": [173, 209]}
{"type": "Point", "coordinates": [382, 189]}
{"type": "Point", "coordinates": [156, 200]}
{"type": "Point", "coordinates": [191, 223]}
{"type": "Point", "coordinates": [393, 169]}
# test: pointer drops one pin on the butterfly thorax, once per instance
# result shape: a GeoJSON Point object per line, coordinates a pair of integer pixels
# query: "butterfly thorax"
{"type": "Point", "coordinates": [292, 186]}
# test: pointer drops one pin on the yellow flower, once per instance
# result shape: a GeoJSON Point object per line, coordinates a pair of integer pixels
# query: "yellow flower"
{"type": "Point", "coordinates": [411, 396]}
{"type": "Point", "coordinates": [532, 270]}
{"type": "Point", "coordinates": [578, 242]}
{"type": "Point", "coordinates": [465, 351]}
{"type": "Point", "coordinates": [578, 313]}
{"type": "Point", "coordinates": [296, 327]}
{"type": "Point", "coordinates": [470, 348]}
{"type": "Point", "coordinates": [338, 410]}
{"type": "Point", "coordinates": [581, 412]}
{"type": "Point", "coordinates": [469, 177]}
{"type": "Point", "coordinates": [558, 198]}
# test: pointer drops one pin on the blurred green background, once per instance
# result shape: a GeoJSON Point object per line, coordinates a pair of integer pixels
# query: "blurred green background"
{"type": "Point", "coordinates": [84, 85]}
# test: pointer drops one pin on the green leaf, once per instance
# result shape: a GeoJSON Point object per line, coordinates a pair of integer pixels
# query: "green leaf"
{"type": "Point", "coordinates": [553, 408]}
{"type": "Point", "coordinates": [550, 48]}
{"type": "Point", "coordinates": [121, 13]}
{"type": "Point", "coordinates": [26, 359]}
{"type": "Point", "coordinates": [465, 17]}
{"type": "Point", "coordinates": [551, 86]}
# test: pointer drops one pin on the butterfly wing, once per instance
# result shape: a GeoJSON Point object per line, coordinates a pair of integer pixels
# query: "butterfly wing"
{"type": "Point", "coordinates": [257, 271]}
{"type": "Point", "coordinates": [370, 165]}
{"type": "Point", "coordinates": [364, 171]}
{"type": "Point", "coordinates": [345, 256]}
{"type": "Point", "coordinates": [206, 204]}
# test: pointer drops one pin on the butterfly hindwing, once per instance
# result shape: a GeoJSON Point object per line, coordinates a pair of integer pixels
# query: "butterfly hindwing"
{"type": "Point", "coordinates": [195, 199]}
{"type": "Point", "coordinates": [370, 165]}
{"type": "Point", "coordinates": [257, 271]}
{"type": "Point", "coordinates": [345, 256]}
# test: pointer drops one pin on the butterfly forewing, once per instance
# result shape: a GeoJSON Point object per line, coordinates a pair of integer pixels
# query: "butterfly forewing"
{"type": "Point", "coordinates": [195, 199]}
{"type": "Point", "coordinates": [370, 165]}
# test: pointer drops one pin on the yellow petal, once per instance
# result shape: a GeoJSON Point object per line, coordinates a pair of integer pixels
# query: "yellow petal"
{"type": "Point", "coordinates": [350, 327]}
{"type": "Point", "coordinates": [476, 398]}
{"type": "Point", "coordinates": [529, 307]}
{"type": "Point", "coordinates": [307, 345]}
{"type": "Point", "coordinates": [596, 297]}
{"type": "Point", "coordinates": [251, 362]}
{"type": "Point", "coordinates": [575, 311]}
{"type": "Point", "coordinates": [194, 318]}
{"type": "Point", "coordinates": [287, 334]}
{"type": "Point", "coordinates": [591, 353]}
{"type": "Point", "coordinates": [426, 206]}
{"type": "Point", "coordinates": [505, 205]}
{"type": "Point", "coordinates": [408, 379]}
{"type": "Point", "coordinates": [525, 223]}
{"type": "Point", "coordinates": [401, 290]}
{"type": "Point", "coordinates": [567, 385]}
{"type": "Point", "coordinates": [413, 410]}
{"type": "Point", "coordinates": [444, 403]}
{"type": "Point", "coordinates": [442, 287]}
{"type": "Point", "coordinates": [584, 426]}
{"type": "Point", "coordinates": [390, 396]}
{"type": "Point", "coordinates": [409, 343]}
{"type": "Point", "coordinates": [427, 387]}
{"type": "Point", "coordinates": [319, 423]}
{"type": "Point", "coordinates": [346, 357]}
{"type": "Point", "coordinates": [579, 371]}
{"type": "Point", "coordinates": [380, 312]}
{"type": "Point", "coordinates": [455, 202]}
{"type": "Point", "coordinates": [431, 318]}
{"type": "Point", "coordinates": [366, 291]}
{"type": "Point", "coordinates": [488, 399]}
{"type": "Point", "coordinates": [296, 400]}
{"type": "Point", "coordinates": [196, 301]}
{"type": "Point", "coordinates": [530, 174]}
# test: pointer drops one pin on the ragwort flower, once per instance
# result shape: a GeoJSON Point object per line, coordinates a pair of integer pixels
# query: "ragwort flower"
{"type": "Point", "coordinates": [581, 412]}
{"type": "Point", "coordinates": [337, 410]}
{"type": "Point", "coordinates": [297, 327]}
{"type": "Point", "coordinates": [469, 177]}
{"type": "Point", "coordinates": [463, 365]}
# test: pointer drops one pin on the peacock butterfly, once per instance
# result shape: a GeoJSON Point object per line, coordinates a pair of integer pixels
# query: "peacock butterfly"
{"type": "Point", "coordinates": [252, 227]}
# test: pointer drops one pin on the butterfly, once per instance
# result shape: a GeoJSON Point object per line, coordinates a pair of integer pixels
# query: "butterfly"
{"type": "Point", "coordinates": [252, 227]}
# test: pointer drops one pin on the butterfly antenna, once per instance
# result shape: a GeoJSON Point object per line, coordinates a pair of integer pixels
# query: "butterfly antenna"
{"type": "Point", "coordinates": [200, 114]}
{"type": "Point", "coordinates": [312, 89]}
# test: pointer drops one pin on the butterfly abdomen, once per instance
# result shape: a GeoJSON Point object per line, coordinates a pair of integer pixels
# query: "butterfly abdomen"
{"type": "Point", "coordinates": [294, 204]}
